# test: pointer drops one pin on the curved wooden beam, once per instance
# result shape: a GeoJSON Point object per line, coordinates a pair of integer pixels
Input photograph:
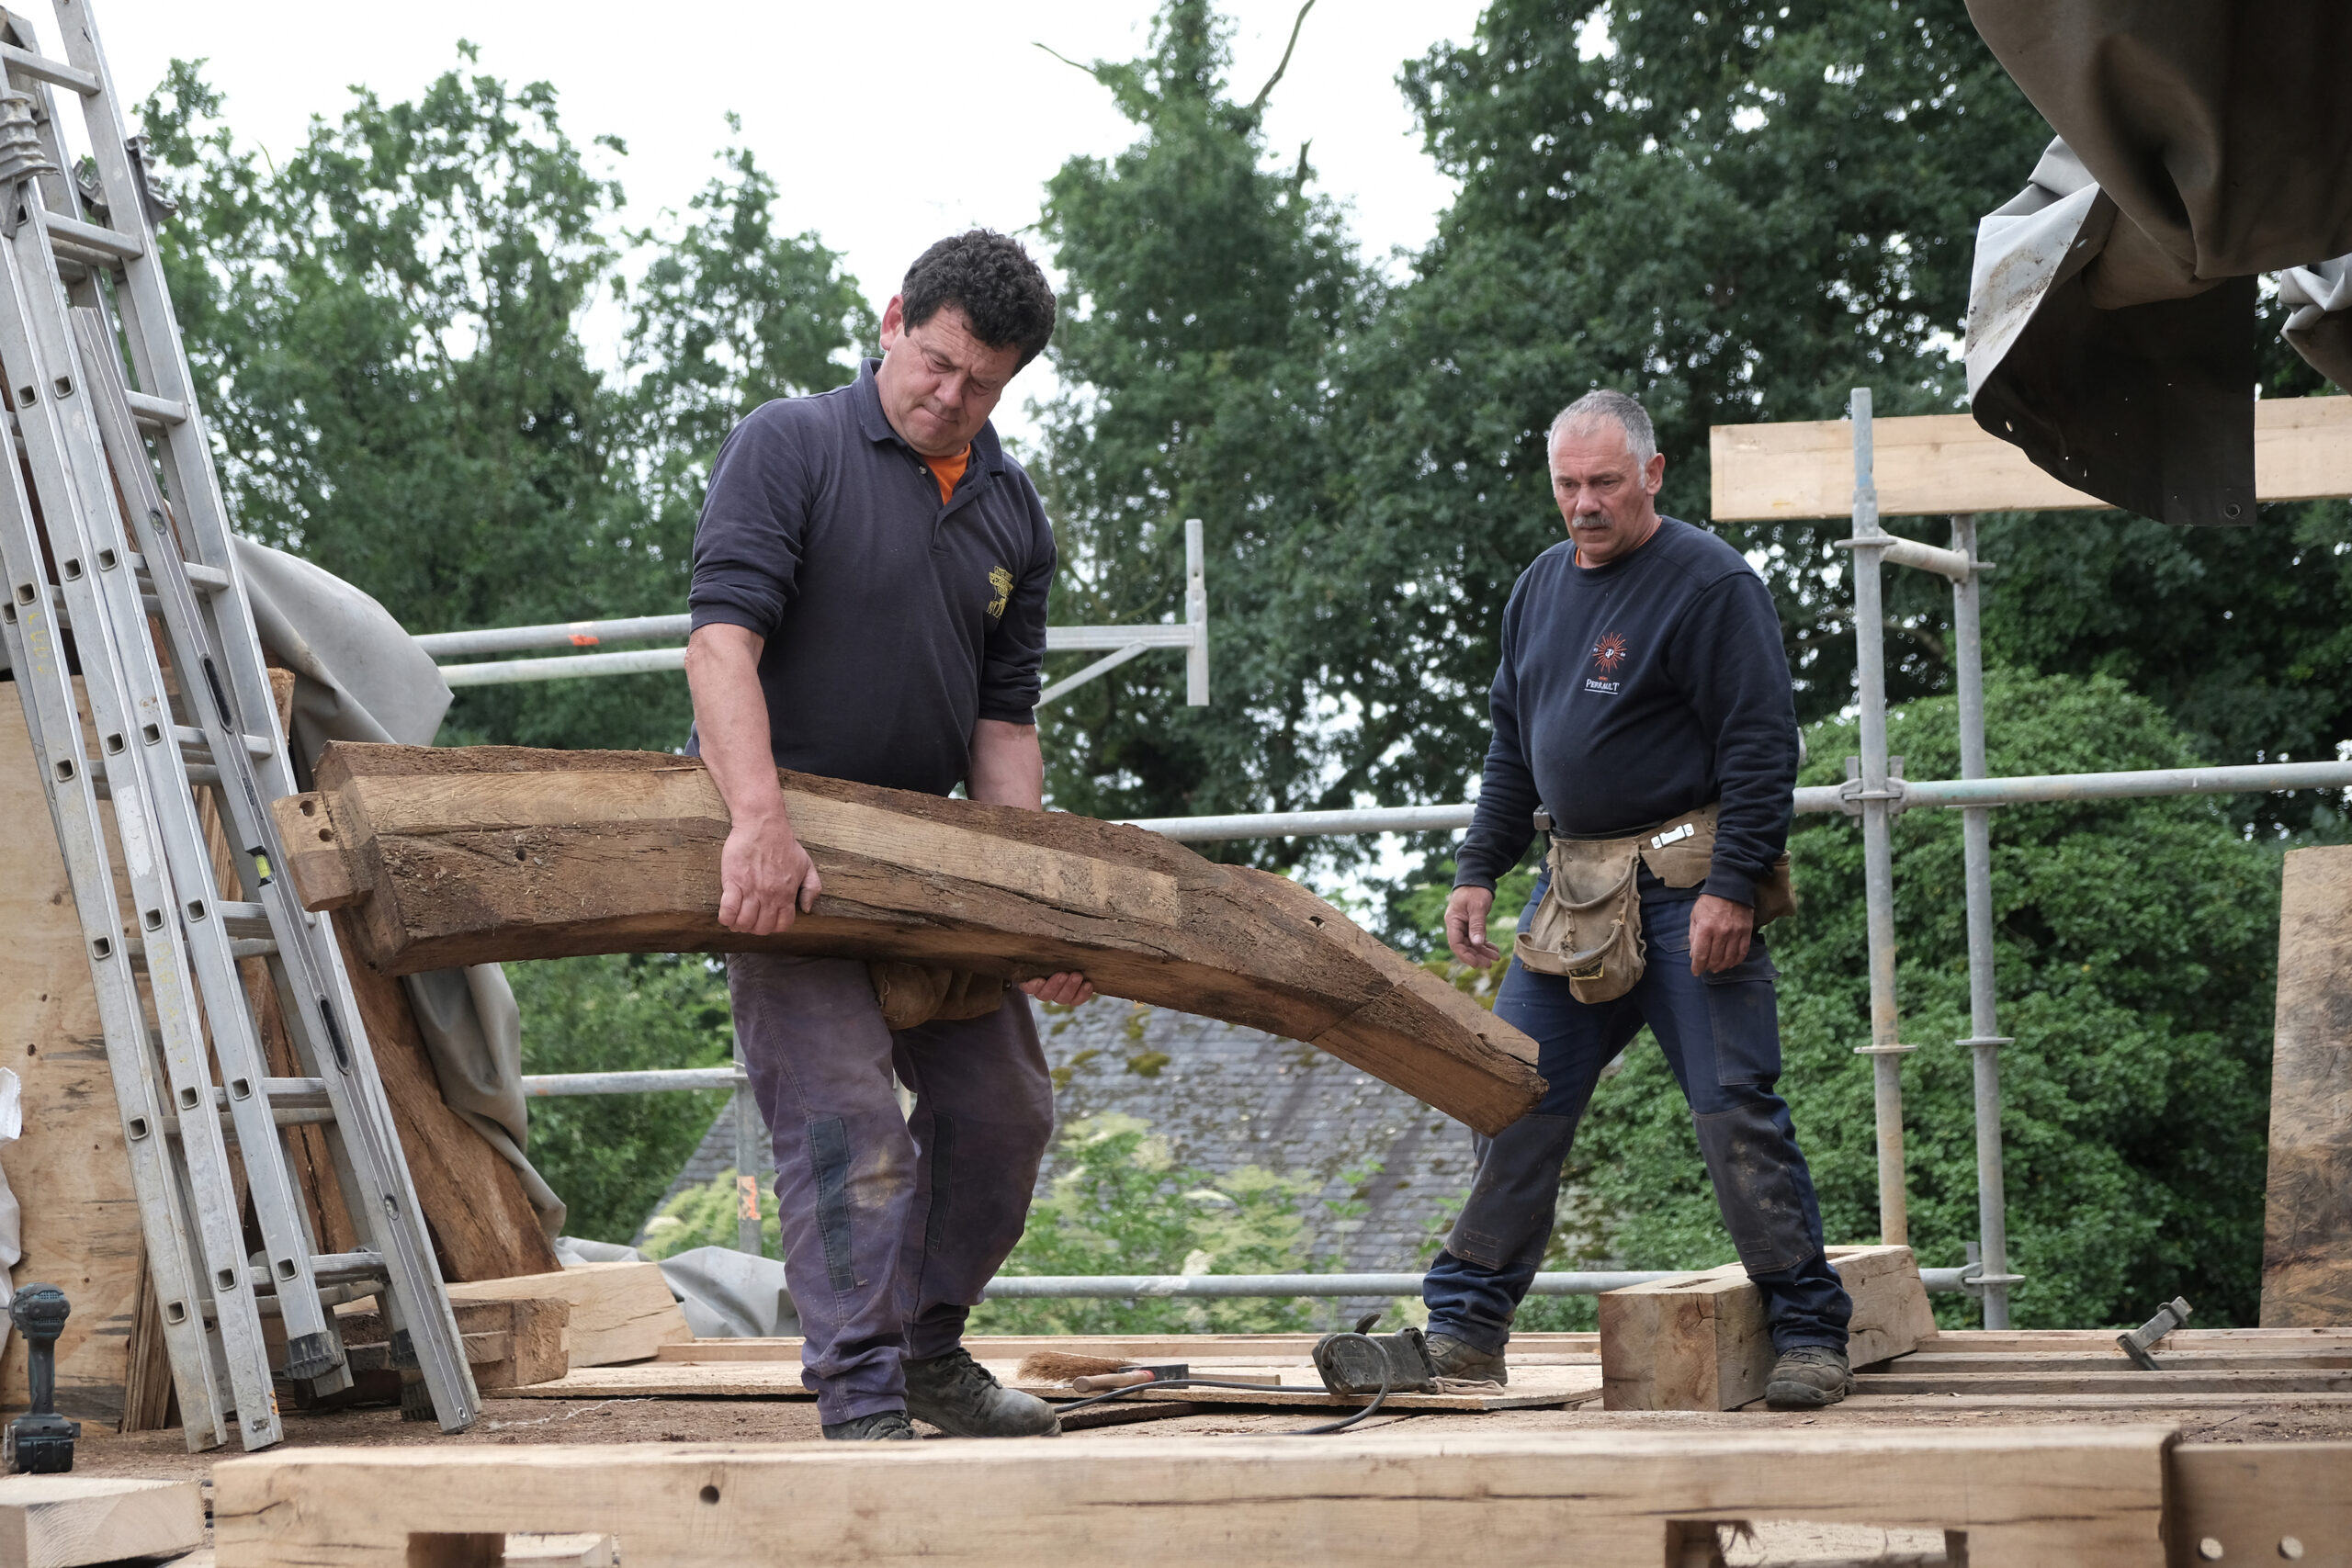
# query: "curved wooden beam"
{"type": "Point", "coordinates": [457, 855]}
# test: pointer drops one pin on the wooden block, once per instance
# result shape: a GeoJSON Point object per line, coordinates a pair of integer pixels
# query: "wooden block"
{"type": "Point", "coordinates": [619, 1312]}
{"type": "Point", "coordinates": [1931, 464]}
{"type": "Point", "coordinates": [2307, 1217]}
{"type": "Point", "coordinates": [1700, 1341]}
{"type": "Point", "coordinates": [473, 854]}
{"type": "Point", "coordinates": [1125, 1347]}
{"type": "Point", "coordinates": [530, 1336]}
{"type": "Point", "coordinates": [2262, 1503]}
{"type": "Point", "coordinates": [63, 1521]}
{"type": "Point", "coordinates": [2053, 1496]}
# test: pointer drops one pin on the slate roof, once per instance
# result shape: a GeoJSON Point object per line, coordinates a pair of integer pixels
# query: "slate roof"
{"type": "Point", "coordinates": [1226, 1097]}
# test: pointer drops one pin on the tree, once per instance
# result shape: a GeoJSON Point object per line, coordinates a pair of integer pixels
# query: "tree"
{"type": "Point", "coordinates": [1209, 297]}
{"type": "Point", "coordinates": [2137, 943]}
{"type": "Point", "coordinates": [386, 331]}
{"type": "Point", "coordinates": [610, 1156]}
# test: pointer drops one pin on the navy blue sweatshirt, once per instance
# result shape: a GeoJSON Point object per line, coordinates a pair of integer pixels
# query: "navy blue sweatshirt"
{"type": "Point", "coordinates": [893, 620]}
{"type": "Point", "coordinates": [1634, 692]}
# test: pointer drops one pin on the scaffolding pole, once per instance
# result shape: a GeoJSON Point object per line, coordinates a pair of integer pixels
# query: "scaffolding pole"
{"type": "Point", "coordinates": [1886, 1049]}
{"type": "Point", "coordinates": [1985, 1039]}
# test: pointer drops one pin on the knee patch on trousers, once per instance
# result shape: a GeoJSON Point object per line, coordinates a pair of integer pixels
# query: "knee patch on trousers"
{"type": "Point", "coordinates": [1749, 1158]}
{"type": "Point", "coordinates": [828, 1157]}
{"type": "Point", "coordinates": [1516, 1194]}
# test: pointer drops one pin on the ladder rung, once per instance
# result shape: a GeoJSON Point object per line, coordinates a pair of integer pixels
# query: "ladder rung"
{"type": "Point", "coordinates": [159, 411]}
{"type": "Point", "coordinates": [40, 68]}
{"type": "Point", "coordinates": [90, 237]}
{"type": "Point", "coordinates": [242, 919]}
{"type": "Point", "coordinates": [135, 948]}
{"type": "Point", "coordinates": [203, 576]}
{"type": "Point", "coordinates": [193, 739]}
{"type": "Point", "coordinates": [343, 1267]}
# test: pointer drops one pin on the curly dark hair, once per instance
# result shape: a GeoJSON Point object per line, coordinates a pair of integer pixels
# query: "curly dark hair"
{"type": "Point", "coordinates": [991, 280]}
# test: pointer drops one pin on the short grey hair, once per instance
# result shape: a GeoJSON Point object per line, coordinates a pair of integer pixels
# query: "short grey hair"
{"type": "Point", "coordinates": [1606, 407]}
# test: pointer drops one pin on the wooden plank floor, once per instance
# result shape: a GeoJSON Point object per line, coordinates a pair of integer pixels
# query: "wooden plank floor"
{"type": "Point", "coordinates": [1532, 1386]}
{"type": "Point", "coordinates": [2055, 1370]}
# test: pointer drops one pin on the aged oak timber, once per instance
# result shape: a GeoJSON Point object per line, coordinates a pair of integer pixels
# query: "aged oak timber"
{"type": "Point", "coordinates": [2307, 1221]}
{"type": "Point", "coordinates": [1700, 1341]}
{"type": "Point", "coordinates": [470, 854]}
{"type": "Point", "coordinates": [2061, 1495]}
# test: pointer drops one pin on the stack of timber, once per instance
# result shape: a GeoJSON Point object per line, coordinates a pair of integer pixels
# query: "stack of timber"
{"type": "Point", "coordinates": [466, 855]}
{"type": "Point", "coordinates": [1699, 1342]}
{"type": "Point", "coordinates": [2124, 1496]}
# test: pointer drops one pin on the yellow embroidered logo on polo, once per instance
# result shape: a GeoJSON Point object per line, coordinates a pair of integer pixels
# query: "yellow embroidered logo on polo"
{"type": "Point", "coordinates": [1001, 580]}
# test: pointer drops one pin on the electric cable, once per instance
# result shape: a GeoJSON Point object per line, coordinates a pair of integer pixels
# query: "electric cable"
{"type": "Point", "coordinates": [1340, 1426]}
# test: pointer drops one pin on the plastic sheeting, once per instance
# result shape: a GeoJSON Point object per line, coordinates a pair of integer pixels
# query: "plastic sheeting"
{"type": "Point", "coordinates": [358, 676]}
{"type": "Point", "coordinates": [2110, 329]}
{"type": "Point", "coordinates": [725, 1294]}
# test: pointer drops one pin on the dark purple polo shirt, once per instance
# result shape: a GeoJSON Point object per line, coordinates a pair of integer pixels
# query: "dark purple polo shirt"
{"type": "Point", "coordinates": [893, 620]}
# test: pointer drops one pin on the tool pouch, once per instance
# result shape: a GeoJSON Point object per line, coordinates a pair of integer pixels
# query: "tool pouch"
{"type": "Point", "coordinates": [1588, 925]}
{"type": "Point", "coordinates": [912, 995]}
{"type": "Point", "coordinates": [1682, 853]}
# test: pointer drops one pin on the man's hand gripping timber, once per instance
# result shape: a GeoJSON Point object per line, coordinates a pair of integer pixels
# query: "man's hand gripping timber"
{"type": "Point", "coordinates": [765, 879]}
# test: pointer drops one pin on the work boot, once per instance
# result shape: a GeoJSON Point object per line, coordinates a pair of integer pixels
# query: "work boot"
{"type": "Point", "coordinates": [956, 1394]}
{"type": "Point", "coordinates": [1362, 1362]}
{"type": "Point", "coordinates": [1807, 1378]}
{"type": "Point", "coordinates": [1454, 1357]}
{"type": "Point", "coordinates": [883, 1426]}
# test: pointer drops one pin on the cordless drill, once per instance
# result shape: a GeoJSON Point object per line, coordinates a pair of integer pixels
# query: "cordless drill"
{"type": "Point", "coordinates": [41, 1443]}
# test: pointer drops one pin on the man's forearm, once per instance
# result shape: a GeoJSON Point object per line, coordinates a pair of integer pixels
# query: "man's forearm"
{"type": "Point", "coordinates": [731, 720]}
{"type": "Point", "coordinates": [1007, 768]}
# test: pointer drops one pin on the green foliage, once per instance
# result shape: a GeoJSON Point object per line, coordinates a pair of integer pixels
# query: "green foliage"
{"type": "Point", "coordinates": [2136, 945]}
{"type": "Point", "coordinates": [611, 1156]}
{"type": "Point", "coordinates": [705, 1216]}
{"type": "Point", "coordinates": [1207, 300]}
{"type": "Point", "coordinates": [386, 328]}
{"type": "Point", "coordinates": [1119, 1204]}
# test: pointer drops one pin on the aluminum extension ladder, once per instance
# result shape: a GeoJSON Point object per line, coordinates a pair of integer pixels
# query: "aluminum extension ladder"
{"type": "Point", "coordinates": [81, 293]}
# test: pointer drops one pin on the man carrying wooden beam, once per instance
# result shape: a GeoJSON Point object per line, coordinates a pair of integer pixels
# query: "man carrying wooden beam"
{"type": "Point", "coordinates": [870, 576]}
{"type": "Point", "coordinates": [1643, 718]}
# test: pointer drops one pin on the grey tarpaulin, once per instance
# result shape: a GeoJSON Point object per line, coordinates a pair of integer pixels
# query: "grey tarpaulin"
{"type": "Point", "coordinates": [725, 1294]}
{"type": "Point", "coordinates": [358, 676]}
{"type": "Point", "coordinates": [2110, 327]}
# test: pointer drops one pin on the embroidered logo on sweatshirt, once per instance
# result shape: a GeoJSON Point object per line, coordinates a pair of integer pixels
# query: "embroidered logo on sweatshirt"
{"type": "Point", "coordinates": [1608, 658]}
{"type": "Point", "coordinates": [1001, 580]}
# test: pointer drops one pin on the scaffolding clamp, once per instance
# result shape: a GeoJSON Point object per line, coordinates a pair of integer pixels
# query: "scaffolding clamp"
{"type": "Point", "coordinates": [1850, 795]}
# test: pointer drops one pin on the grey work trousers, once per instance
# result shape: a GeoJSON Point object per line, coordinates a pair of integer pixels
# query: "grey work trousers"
{"type": "Point", "coordinates": [892, 1224]}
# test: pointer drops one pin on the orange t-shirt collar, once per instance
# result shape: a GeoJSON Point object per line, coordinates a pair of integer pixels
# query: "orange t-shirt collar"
{"type": "Point", "coordinates": [948, 471]}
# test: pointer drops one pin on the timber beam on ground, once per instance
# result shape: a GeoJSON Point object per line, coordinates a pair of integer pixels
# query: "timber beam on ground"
{"type": "Point", "coordinates": [443, 856]}
{"type": "Point", "coordinates": [2063, 1494]}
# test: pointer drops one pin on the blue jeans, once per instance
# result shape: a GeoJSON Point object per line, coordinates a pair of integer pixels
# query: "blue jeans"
{"type": "Point", "coordinates": [1721, 1033]}
{"type": "Point", "coordinates": [892, 1224]}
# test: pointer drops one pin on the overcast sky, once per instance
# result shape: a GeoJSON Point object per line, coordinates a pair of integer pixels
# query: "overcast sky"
{"type": "Point", "coordinates": [885, 128]}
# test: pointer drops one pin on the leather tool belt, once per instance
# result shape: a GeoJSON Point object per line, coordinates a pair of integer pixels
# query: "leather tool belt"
{"type": "Point", "coordinates": [1588, 926]}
